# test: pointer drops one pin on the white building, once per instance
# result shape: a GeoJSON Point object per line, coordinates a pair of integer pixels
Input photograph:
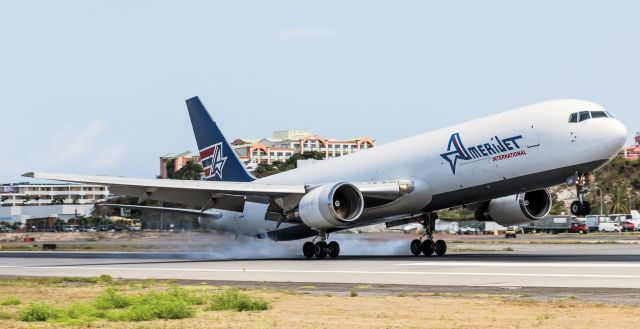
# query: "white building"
{"type": "Point", "coordinates": [22, 201]}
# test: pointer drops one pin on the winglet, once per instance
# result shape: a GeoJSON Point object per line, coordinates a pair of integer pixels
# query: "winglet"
{"type": "Point", "coordinates": [219, 160]}
{"type": "Point", "coordinates": [29, 174]}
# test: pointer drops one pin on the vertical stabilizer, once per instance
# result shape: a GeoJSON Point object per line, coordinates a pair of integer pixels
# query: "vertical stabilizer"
{"type": "Point", "coordinates": [219, 160]}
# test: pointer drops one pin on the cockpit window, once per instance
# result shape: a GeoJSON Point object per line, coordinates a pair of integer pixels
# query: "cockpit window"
{"type": "Point", "coordinates": [598, 114]}
{"type": "Point", "coordinates": [584, 115]}
{"type": "Point", "coordinates": [573, 117]}
{"type": "Point", "coordinates": [608, 114]}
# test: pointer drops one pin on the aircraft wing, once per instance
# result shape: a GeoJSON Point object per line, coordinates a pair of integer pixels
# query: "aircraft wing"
{"type": "Point", "coordinates": [217, 194]}
{"type": "Point", "coordinates": [196, 194]}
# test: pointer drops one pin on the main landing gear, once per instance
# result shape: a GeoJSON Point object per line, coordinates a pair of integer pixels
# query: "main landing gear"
{"type": "Point", "coordinates": [428, 247]}
{"type": "Point", "coordinates": [321, 249]}
{"type": "Point", "coordinates": [581, 207]}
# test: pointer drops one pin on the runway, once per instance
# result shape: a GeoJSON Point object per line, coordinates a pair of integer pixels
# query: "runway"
{"type": "Point", "coordinates": [586, 266]}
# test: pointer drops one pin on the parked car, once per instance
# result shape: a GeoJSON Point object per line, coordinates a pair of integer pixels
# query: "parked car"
{"type": "Point", "coordinates": [627, 226]}
{"type": "Point", "coordinates": [609, 227]}
{"type": "Point", "coordinates": [511, 232]}
{"type": "Point", "coordinates": [580, 228]}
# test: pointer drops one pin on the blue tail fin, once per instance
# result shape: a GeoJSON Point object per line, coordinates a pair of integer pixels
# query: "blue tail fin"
{"type": "Point", "coordinates": [219, 160]}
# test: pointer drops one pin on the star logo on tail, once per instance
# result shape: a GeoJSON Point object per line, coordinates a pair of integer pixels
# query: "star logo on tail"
{"type": "Point", "coordinates": [455, 151]}
{"type": "Point", "coordinates": [213, 161]}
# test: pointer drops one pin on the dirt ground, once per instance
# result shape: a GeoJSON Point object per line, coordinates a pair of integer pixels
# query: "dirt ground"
{"type": "Point", "coordinates": [311, 307]}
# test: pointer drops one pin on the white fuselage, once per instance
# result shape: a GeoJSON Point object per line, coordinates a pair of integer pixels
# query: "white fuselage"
{"type": "Point", "coordinates": [503, 154]}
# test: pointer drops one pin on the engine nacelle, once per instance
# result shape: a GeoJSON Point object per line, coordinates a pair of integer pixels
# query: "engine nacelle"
{"type": "Point", "coordinates": [331, 205]}
{"type": "Point", "coordinates": [516, 209]}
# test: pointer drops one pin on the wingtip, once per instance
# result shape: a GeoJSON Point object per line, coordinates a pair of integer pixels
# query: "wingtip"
{"type": "Point", "coordinates": [30, 174]}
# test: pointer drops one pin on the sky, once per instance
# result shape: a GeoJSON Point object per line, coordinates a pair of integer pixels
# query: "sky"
{"type": "Point", "coordinates": [98, 87]}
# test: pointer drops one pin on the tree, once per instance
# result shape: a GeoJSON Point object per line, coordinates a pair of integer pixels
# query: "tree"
{"type": "Point", "coordinates": [557, 207]}
{"type": "Point", "coordinates": [619, 200]}
{"type": "Point", "coordinates": [27, 198]}
{"type": "Point", "coordinates": [265, 169]}
{"type": "Point", "coordinates": [190, 171]}
{"type": "Point", "coordinates": [171, 168]}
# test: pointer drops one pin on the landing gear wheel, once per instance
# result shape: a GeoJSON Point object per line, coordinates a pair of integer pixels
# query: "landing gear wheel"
{"type": "Point", "coordinates": [334, 249]}
{"type": "Point", "coordinates": [428, 247]}
{"type": "Point", "coordinates": [320, 249]}
{"type": "Point", "coordinates": [308, 249]}
{"type": "Point", "coordinates": [416, 247]}
{"type": "Point", "coordinates": [576, 208]}
{"type": "Point", "coordinates": [441, 247]}
{"type": "Point", "coordinates": [586, 208]}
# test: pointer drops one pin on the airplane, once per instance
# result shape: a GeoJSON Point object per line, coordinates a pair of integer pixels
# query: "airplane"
{"type": "Point", "coordinates": [498, 166]}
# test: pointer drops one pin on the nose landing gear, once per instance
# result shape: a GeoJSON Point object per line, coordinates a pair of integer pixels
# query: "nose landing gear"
{"type": "Point", "coordinates": [428, 247]}
{"type": "Point", "coordinates": [321, 249]}
{"type": "Point", "coordinates": [581, 207]}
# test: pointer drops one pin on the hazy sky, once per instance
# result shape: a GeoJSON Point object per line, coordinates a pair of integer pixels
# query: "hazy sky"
{"type": "Point", "coordinates": [98, 87]}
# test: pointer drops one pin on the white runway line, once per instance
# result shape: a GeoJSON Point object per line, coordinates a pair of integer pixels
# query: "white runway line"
{"type": "Point", "coordinates": [150, 269]}
{"type": "Point", "coordinates": [524, 264]}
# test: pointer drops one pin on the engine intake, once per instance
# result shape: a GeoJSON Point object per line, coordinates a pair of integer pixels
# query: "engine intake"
{"type": "Point", "coordinates": [331, 205]}
{"type": "Point", "coordinates": [517, 209]}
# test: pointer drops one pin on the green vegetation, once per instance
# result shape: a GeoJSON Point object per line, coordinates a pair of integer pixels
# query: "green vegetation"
{"type": "Point", "coordinates": [176, 303]}
{"type": "Point", "coordinates": [38, 312]}
{"type": "Point", "coordinates": [619, 183]}
{"type": "Point", "coordinates": [190, 171]}
{"type": "Point", "coordinates": [233, 299]}
{"type": "Point", "coordinates": [115, 304]}
{"type": "Point", "coordinates": [265, 169]}
{"type": "Point", "coordinates": [110, 299]}
{"type": "Point", "coordinates": [11, 300]}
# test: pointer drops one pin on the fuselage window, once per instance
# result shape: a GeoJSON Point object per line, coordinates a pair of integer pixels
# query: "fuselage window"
{"type": "Point", "coordinates": [573, 117]}
{"type": "Point", "coordinates": [598, 114]}
{"type": "Point", "coordinates": [584, 115]}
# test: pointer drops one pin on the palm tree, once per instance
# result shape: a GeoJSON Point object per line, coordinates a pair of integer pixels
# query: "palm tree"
{"type": "Point", "coordinates": [27, 198]}
{"type": "Point", "coordinates": [619, 199]}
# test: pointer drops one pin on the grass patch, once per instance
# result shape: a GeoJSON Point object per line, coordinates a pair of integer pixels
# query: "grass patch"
{"type": "Point", "coordinates": [353, 292]}
{"type": "Point", "coordinates": [233, 299]}
{"type": "Point", "coordinates": [10, 300]}
{"type": "Point", "coordinates": [110, 299]}
{"type": "Point", "coordinates": [38, 312]}
{"type": "Point", "coordinates": [5, 315]}
{"type": "Point", "coordinates": [175, 303]}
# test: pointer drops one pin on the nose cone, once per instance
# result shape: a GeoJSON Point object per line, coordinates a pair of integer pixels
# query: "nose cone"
{"type": "Point", "coordinates": [614, 136]}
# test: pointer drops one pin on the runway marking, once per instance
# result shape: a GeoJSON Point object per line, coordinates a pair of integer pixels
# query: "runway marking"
{"type": "Point", "coordinates": [523, 264]}
{"type": "Point", "coordinates": [612, 276]}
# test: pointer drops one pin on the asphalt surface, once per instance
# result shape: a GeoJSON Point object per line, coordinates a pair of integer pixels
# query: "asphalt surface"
{"type": "Point", "coordinates": [597, 266]}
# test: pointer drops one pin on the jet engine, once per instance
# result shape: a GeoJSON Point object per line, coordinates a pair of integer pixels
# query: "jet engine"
{"type": "Point", "coordinates": [331, 205]}
{"type": "Point", "coordinates": [516, 209]}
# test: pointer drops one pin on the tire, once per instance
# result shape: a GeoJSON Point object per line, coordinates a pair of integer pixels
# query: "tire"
{"type": "Point", "coordinates": [586, 208]}
{"type": "Point", "coordinates": [308, 249]}
{"type": "Point", "coordinates": [416, 247]}
{"type": "Point", "coordinates": [334, 249]}
{"type": "Point", "coordinates": [441, 247]}
{"type": "Point", "coordinates": [428, 247]}
{"type": "Point", "coordinates": [576, 208]}
{"type": "Point", "coordinates": [320, 249]}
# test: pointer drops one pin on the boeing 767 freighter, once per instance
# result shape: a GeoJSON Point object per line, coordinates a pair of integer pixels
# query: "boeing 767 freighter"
{"type": "Point", "coordinates": [499, 166]}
